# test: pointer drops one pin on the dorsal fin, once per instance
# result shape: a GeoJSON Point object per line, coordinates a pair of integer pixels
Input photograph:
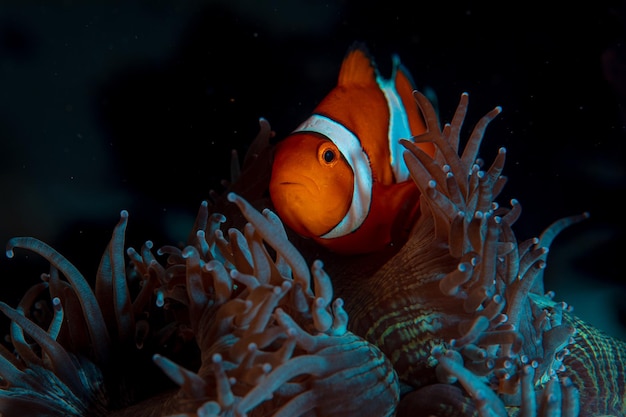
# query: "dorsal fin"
{"type": "Point", "coordinates": [358, 68]}
{"type": "Point", "coordinates": [404, 81]}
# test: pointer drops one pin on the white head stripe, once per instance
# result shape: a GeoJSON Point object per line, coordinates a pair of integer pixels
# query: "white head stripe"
{"type": "Point", "coordinates": [399, 127]}
{"type": "Point", "coordinates": [351, 149]}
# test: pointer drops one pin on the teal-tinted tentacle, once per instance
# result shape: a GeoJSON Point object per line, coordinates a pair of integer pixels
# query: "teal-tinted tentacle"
{"type": "Point", "coordinates": [96, 324]}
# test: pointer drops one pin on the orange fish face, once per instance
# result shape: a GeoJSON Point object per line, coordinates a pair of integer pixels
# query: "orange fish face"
{"type": "Point", "coordinates": [311, 185]}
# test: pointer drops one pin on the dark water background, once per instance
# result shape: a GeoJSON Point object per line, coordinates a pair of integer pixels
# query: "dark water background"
{"type": "Point", "coordinates": [136, 105]}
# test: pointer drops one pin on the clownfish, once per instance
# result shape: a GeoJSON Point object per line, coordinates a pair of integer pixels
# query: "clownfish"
{"type": "Point", "coordinates": [339, 177]}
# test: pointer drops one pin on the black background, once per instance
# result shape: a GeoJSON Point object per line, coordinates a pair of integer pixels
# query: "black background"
{"type": "Point", "coordinates": [136, 105]}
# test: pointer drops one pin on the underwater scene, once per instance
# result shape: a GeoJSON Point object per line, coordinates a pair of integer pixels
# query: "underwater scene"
{"type": "Point", "coordinates": [173, 247]}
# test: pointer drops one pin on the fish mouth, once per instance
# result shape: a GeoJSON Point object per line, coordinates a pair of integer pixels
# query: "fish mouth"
{"type": "Point", "coordinates": [292, 198]}
{"type": "Point", "coordinates": [309, 184]}
{"type": "Point", "coordinates": [292, 184]}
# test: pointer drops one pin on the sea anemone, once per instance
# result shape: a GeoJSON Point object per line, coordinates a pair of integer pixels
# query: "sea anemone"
{"type": "Point", "coordinates": [246, 318]}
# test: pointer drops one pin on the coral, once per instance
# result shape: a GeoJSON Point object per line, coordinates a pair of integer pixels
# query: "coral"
{"type": "Point", "coordinates": [245, 319]}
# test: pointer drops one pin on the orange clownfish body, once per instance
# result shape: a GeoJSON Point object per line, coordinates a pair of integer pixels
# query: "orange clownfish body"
{"type": "Point", "coordinates": [340, 178]}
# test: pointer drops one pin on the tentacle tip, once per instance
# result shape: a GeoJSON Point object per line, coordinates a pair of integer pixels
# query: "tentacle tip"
{"type": "Point", "coordinates": [437, 351]}
{"type": "Point", "coordinates": [218, 217]}
{"type": "Point", "coordinates": [9, 252]}
{"type": "Point", "coordinates": [232, 197]}
{"type": "Point", "coordinates": [188, 252]}
{"type": "Point", "coordinates": [160, 298]}
{"type": "Point", "coordinates": [286, 285]}
{"type": "Point", "coordinates": [124, 214]}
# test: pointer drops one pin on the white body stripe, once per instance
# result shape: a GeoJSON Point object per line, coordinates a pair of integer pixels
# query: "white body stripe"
{"type": "Point", "coordinates": [399, 127]}
{"type": "Point", "coordinates": [351, 149]}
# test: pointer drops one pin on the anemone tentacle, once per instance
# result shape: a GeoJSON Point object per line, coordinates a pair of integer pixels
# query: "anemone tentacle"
{"type": "Point", "coordinates": [456, 318]}
{"type": "Point", "coordinates": [97, 328]}
{"type": "Point", "coordinates": [270, 337]}
{"type": "Point", "coordinates": [489, 304]}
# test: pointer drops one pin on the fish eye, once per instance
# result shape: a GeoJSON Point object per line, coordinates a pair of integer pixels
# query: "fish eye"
{"type": "Point", "coordinates": [327, 155]}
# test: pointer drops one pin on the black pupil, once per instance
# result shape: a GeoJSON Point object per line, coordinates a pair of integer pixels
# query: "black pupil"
{"type": "Point", "coordinates": [329, 155]}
